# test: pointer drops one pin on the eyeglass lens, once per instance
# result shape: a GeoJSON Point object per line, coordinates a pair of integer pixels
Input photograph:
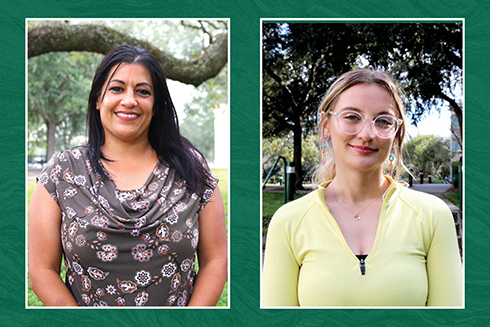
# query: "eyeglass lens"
{"type": "Point", "coordinates": [352, 122]}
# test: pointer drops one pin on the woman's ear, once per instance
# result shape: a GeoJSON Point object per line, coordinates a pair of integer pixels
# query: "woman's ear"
{"type": "Point", "coordinates": [325, 126]}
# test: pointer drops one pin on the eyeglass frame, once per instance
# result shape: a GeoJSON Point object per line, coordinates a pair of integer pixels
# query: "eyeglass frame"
{"type": "Point", "coordinates": [398, 121]}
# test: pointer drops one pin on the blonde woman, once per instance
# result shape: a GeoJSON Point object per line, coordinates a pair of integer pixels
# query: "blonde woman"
{"type": "Point", "coordinates": [362, 238]}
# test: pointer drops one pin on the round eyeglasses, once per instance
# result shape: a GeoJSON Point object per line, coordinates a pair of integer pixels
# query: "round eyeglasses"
{"type": "Point", "coordinates": [352, 122]}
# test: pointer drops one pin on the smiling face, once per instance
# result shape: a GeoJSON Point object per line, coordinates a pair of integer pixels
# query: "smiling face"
{"type": "Point", "coordinates": [126, 104]}
{"type": "Point", "coordinates": [363, 151]}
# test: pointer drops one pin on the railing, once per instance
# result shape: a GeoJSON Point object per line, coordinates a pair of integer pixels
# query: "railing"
{"type": "Point", "coordinates": [288, 178]}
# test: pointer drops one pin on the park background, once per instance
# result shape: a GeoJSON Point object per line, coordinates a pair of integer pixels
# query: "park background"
{"type": "Point", "coordinates": [245, 161]}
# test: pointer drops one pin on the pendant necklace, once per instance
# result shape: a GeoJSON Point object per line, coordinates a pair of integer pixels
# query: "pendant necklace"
{"type": "Point", "coordinates": [357, 217]}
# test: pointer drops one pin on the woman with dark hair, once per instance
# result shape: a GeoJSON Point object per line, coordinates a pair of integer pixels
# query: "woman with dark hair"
{"type": "Point", "coordinates": [362, 238]}
{"type": "Point", "coordinates": [131, 208]}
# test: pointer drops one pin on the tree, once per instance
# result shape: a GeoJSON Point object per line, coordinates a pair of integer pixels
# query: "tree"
{"type": "Point", "coordinates": [300, 60]}
{"type": "Point", "coordinates": [425, 57]}
{"type": "Point", "coordinates": [429, 154]}
{"type": "Point", "coordinates": [63, 36]}
{"type": "Point", "coordinates": [58, 93]}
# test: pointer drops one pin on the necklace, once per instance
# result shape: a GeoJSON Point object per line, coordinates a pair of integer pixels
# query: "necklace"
{"type": "Point", "coordinates": [357, 217]}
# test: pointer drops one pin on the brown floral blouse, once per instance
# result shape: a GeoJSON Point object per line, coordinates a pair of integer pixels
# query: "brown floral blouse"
{"type": "Point", "coordinates": [125, 247]}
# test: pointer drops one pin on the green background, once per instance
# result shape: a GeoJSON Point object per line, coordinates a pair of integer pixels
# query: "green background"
{"type": "Point", "coordinates": [245, 226]}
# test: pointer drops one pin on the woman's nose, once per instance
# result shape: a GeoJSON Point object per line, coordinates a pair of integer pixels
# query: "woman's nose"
{"type": "Point", "coordinates": [129, 100]}
{"type": "Point", "coordinates": [367, 131]}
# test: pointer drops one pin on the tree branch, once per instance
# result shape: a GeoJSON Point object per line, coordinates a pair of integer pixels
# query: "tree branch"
{"type": "Point", "coordinates": [283, 85]}
{"type": "Point", "coordinates": [101, 39]}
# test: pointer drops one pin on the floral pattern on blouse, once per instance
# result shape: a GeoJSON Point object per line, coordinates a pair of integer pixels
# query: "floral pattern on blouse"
{"type": "Point", "coordinates": [126, 247]}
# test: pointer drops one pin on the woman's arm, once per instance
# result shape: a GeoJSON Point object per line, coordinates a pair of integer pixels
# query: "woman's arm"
{"type": "Point", "coordinates": [45, 250]}
{"type": "Point", "coordinates": [281, 269]}
{"type": "Point", "coordinates": [212, 253]}
{"type": "Point", "coordinates": [444, 266]}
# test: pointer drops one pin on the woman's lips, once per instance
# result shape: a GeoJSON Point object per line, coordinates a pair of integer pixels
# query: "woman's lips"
{"type": "Point", "coordinates": [363, 149]}
{"type": "Point", "coordinates": [127, 115]}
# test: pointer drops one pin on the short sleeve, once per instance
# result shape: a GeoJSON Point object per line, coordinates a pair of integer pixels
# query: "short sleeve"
{"type": "Point", "coordinates": [51, 175]}
{"type": "Point", "coordinates": [210, 183]}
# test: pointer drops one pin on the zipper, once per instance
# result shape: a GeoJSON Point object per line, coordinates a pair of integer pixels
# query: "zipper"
{"type": "Point", "coordinates": [363, 266]}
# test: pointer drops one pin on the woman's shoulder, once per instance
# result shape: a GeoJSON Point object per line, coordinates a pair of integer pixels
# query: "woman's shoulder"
{"type": "Point", "coordinates": [421, 202]}
{"type": "Point", "coordinates": [65, 165]}
{"type": "Point", "coordinates": [76, 153]}
{"type": "Point", "coordinates": [292, 212]}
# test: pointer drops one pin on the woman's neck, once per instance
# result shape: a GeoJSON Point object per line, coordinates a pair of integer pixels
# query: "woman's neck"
{"type": "Point", "coordinates": [127, 151]}
{"type": "Point", "coordinates": [355, 187]}
{"type": "Point", "coordinates": [129, 165]}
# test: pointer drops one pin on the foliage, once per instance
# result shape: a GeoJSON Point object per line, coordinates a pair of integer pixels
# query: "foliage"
{"type": "Point", "coordinates": [453, 197]}
{"type": "Point", "coordinates": [429, 154]}
{"type": "Point", "coordinates": [59, 84]}
{"type": "Point", "coordinates": [67, 36]}
{"type": "Point", "coordinates": [198, 124]}
{"type": "Point", "coordinates": [274, 146]}
{"type": "Point", "coordinates": [298, 63]}
{"type": "Point", "coordinates": [185, 39]}
{"type": "Point", "coordinates": [425, 57]}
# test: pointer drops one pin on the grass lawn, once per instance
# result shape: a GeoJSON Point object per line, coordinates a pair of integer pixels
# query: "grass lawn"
{"type": "Point", "coordinates": [453, 197]}
{"type": "Point", "coordinates": [221, 174]}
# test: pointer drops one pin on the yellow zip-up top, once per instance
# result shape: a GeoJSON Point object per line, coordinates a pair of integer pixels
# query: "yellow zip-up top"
{"type": "Point", "coordinates": [414, 260]}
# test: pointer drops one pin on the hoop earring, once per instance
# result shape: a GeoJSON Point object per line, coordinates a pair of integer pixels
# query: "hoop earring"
{"type": "Point", "coordinates": [324, 148]}
{"type": "Point", "coordinates": [391, 158]}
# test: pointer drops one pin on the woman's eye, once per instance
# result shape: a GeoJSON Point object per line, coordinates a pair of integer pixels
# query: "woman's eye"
{"type": "Point", "coordinates": [384, 122]}
{"type": "Point", "coordinates": [116, 89]}
{"type": "Point", "coordinates": [143, 92]}
{"type": "Point", "coordinates": [352, 117]}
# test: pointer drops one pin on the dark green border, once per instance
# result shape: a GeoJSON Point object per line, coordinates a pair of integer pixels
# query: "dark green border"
{"type": "Point", "coordinates": [245, 169]}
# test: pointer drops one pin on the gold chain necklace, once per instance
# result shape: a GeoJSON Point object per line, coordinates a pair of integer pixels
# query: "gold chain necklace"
{"type": "Point", "coordinates": [356, 215]}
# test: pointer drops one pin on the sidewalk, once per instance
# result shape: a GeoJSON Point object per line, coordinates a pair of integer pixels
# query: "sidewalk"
{"type": "Point", "coordinates": [32, 173]}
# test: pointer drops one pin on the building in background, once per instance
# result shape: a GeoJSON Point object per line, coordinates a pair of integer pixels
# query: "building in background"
{"type": "Point", "coordinates": [456, 143]}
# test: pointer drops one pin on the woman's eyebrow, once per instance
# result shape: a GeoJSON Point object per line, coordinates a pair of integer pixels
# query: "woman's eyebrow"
{"type": "Point", "coordinates": [117, 81]}
{"type": "Point", "coordinates": [381, 112]}
{"type": "Point", "coordinates": [350, 108]}
{"type": "Point", "coordinates": [144, 83]}
{"type": "Point", "coordinates": [122, 82]}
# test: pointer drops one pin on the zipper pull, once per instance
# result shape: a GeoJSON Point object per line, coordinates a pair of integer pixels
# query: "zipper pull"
{"type": "Point", "coordinates": [363, 267]}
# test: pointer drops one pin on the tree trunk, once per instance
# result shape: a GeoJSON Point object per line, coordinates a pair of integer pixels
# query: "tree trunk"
{"type": "Point", "coordinates": [297, 154]}
{"type": "Point", "coordinates": [101, 39]}
{"type": "Point", "coordinates": [50, 138]}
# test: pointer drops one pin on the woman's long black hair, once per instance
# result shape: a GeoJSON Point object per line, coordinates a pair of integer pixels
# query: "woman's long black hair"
{"type": "Point", "coordinates": [163, 135]}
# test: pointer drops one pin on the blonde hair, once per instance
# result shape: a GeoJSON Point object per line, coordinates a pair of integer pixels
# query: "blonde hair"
{"type": "Point", "coordinates": [326, 171]}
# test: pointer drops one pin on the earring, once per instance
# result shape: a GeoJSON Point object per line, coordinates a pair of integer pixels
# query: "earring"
{"type": "Point", "coordinates": [324, 148]}
{"type": "Point", "coordinates": [391, 158]}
